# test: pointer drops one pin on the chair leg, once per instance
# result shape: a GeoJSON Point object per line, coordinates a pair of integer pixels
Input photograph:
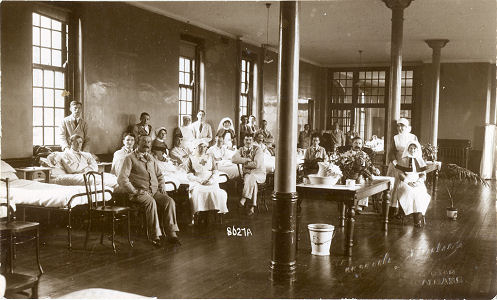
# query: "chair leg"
{"type": "Point", "coordinates": [102, 226]}
{"type": "Point", "coordinates": [113, 233]}
{"type": "Point", "coordinates": [129, 230]}
{"type": "Point", "coordinates": [34, 290]}
{"type": "Point", "coordinates": [88, 229]}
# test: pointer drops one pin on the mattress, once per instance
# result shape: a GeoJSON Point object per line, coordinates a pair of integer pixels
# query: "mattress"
{"type": "Point", "coordinates": [45, 194]}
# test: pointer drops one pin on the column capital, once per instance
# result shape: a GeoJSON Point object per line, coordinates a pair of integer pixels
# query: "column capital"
{"type": "Point", "coordinates": [436, 43]}
{"type": "Point", "coordinates": [394, 4]}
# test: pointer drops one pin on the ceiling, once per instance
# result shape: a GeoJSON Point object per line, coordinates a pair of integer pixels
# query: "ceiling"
{"type": "Point", "coordinates": [332, 32]}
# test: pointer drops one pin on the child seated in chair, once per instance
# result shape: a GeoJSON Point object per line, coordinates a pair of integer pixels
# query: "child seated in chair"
{"type": "Point", "coordinates": [412, 194]}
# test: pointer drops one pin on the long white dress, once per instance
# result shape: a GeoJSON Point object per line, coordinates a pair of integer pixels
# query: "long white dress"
{"type": "Point", "coordinates": [413, 199]}
{"type": "Point", "coordinates": [208, 196]}
{"type": "Point", "coordinates": [188, 137]}
{"type": "Point", "coordinates": [401, 141]}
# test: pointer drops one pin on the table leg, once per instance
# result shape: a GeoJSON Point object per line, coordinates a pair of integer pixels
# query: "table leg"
{"type": "Point", "coordinates": [341, 218]}
{"type": "Point", "coordinates": [349, 238]}
{"type": "Point", "coordinates": [386, 208]}
{"type": "Point", "coordinates": [11, 253]}
{"type": "Point", "coordinates": [38, 250]}
{"type": "Point", "coordinates": [435, 181]}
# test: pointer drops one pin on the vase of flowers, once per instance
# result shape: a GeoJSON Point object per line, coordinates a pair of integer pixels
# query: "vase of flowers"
{"type": "Point", "coordinates": [429, 152]}
{"type": "Point", "coordinates": [356, 164]}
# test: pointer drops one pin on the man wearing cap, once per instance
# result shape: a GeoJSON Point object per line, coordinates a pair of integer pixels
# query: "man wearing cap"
{"type": "Point", "coordinates": [202, 130]}
{"type": "Point", "coordinates": [74, 124]}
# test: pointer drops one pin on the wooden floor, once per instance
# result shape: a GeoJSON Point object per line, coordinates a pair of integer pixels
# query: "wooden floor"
{"type": "Point", "coordinates": [414, 263]}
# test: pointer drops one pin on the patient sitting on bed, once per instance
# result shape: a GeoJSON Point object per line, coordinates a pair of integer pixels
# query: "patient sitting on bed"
{"type": "Point", "coordinates": [75, 161]}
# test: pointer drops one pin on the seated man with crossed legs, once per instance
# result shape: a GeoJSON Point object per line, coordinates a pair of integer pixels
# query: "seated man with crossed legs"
{"type": "Point", "coordinates": [254, 171]}
{"type": "Point", "coordinates": [141, 177]}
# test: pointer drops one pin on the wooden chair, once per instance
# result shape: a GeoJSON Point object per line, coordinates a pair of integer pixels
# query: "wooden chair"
{"type": "Point", "coordinates": [101, 208]}
{"type": "Point", "coordinates": [11, 232]}
{"type": "Point", "coordinates": [261, 189]}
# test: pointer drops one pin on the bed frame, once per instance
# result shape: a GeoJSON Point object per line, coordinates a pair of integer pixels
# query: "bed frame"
{"type": "Point", "coordinates": [68, 209]}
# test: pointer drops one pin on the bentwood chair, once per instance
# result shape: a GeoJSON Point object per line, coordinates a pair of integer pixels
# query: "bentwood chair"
{"type": "Point", "coordinates": [261, 189]}
{"type": "Point", "coordinates": [13, 233]}
{"type": "Point", "coordinates": [98, 207]}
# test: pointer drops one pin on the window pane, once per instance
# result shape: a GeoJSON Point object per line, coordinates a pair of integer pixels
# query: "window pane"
{"type": "Point", "coordinates": [56, 40]}
{"type": "Point", "coordinates": [59, 116]}
{"type": "Point", "coordinates": [187, 65]}
{"type": "Point", "coordinates": [56, 25]}
{"type": "Point", "coordinates": [181, 64]}
{"type": "Point", "coordinates": [48, 97]}
{"type": "Point", "coordinates": [243, 65]}
{"type": "Point", "coordinates": [37, 97]}
{"type": "Point", "coordinates": [189, 95]}
{"type": "Point", "coordinates": [59, 80]}
{"type": "Point", "coordinates": [48, 116]}
{"type": "Point", "coordinates": [187, 78]}
{"type": "Point", "coordinates": [189, 108]}
{"type": "Point", "coordinates": [45, 56]}
{"type": "Point", "coordinates": [36, 55]}
{"type": "Point", "coordinates": [37, 136]}
{"type": "Point", "coordinates": [48, 78]}
{"type": "Point", "coordinates": [369, 122]}
{"type": "Point", "coordinates": [59, 100]}
{"type": "Point", "coordinates": [49, 135]}
{"type": "Point", "coordinates": [181, 78]}
{"type": "Point", "coordinates": [36, 36]}
{"type": "Point", "coordinates": [183, 107]}
{"type": "Point", "coordinates": [37, 116]}
{"type": "Point", "coordinates": [56, 58]}
{"type": "Point", "coordinates": [46, 40]}
{"type": "Point", "coordinates": [36, 19]}
{"type": "Point", "coordinates": [45, 22]}
{"type": "Point", "coordinates": [37, 77]}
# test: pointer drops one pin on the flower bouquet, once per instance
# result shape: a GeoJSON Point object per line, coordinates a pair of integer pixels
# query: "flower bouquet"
{"type": "Point", "coordinates": [429, 152]}
{"type": "Point", "coordinates": [356, 164]}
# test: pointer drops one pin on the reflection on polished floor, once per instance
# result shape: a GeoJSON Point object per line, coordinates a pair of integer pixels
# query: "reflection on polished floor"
{"type": "Point", "coordinates": [445, 259]}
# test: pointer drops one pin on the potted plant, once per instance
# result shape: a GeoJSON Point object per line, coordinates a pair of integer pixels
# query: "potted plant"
{"type": "Point", "coordinates": [429, 152]}
{"type": "Point", "coordinates": [356, 165]}
{"type": "Point", "coordinates": [456, 179]}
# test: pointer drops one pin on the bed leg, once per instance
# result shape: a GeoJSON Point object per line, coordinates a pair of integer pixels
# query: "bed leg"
{"type": "Point", "coordinates": [69, 227]}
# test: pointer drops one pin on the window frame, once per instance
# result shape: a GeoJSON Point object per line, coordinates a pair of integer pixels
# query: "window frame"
{"type": "Point", "coordinates": [355, 103]}
{"type": "Point", "coordinates": [64, 68]}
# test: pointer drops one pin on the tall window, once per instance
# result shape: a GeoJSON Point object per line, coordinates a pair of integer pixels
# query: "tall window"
{"type": "Point", "coordinates": [50, 57]}
{"type": "Point", "coordinates": [188, 79]}
{"type": "Point", "coordinates": [406, 98]}
{"type": "Point", "coordinates": [246, 87]}
{"type": "Point", "coordinates": [359, 97]}
{"type": "Point", "coordinates": [186, 86]}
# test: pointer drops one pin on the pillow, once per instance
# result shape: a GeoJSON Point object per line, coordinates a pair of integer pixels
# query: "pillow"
{"type": "Point", "coordinates": [9, 175]}
{"type": "Point", "coordinates": [53, 161]}
{"type": "Point", "coordinates": [7, 168]}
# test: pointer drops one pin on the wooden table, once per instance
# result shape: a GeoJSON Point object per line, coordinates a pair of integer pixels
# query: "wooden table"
{"type": "Point", "coordinates": [28, 172]}
{"type": "Point", "coordinates": [347, 198]}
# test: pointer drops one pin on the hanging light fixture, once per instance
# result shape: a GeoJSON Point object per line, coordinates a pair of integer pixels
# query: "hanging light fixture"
{"type": "Point", "coordinates": [267, 59]}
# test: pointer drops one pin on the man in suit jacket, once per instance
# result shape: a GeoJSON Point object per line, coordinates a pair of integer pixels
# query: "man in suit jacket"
{"type": "Point", "coordinates": [74, 124]}
{"type": "Point", "coordinates": [202, 130]}
{"type": "Point", "coordinates": [141, 177]}
{"type": "Point", "coordinates": [144, 127]}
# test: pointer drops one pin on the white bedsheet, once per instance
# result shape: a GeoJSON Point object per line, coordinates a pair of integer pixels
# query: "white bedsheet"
{"type": "Point", "coordinates": [45, 194]}
{"type": "Point", "coordinates": [110, 180]}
